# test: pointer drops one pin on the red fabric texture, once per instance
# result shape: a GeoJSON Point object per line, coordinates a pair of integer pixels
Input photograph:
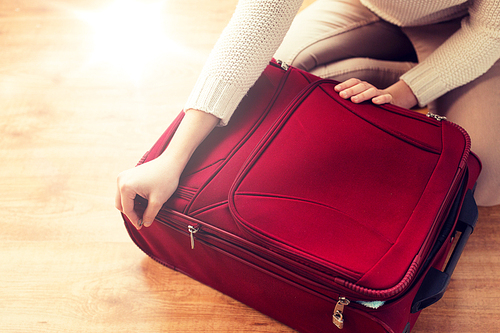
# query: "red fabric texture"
{"type": "Point", "coordinates": [347, 187]}
{"type": "Point", "coordinates": [305, 197]}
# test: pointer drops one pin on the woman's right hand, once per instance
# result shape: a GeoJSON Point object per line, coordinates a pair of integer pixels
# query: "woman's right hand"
{"type": "Point", "coordinates": [155, 181]}
{"type": "Point", "coordinates": [158, 179]}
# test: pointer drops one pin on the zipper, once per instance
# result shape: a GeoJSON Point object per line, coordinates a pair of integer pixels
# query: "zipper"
{"type": "Point", "coordinates": [192, 230]}
{"type": "Point", "coordinates": [435, 116]}
{"type": "Point", "coordinates": [294, 263]}
{"type": "Point", "coordinates": [338, 312]}
{"type": "Point", "coordinates": [283, 64]}
{"type": "Point", "coordinates": [255, 155]}
{"type": "Point", "coordinates": [457, 181]}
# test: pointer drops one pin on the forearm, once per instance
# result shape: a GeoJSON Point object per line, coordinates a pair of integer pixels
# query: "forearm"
{"type": "Point", "coordinates": [243, 50]}
{"type": "Point", "coordinates": [194, 128]}
{"type": "Point", "coordinates": [467, 54]}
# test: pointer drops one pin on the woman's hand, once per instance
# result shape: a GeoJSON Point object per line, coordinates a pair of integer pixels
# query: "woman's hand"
{"type": "Point", "coordinates": [359, 91]}
{"type": "Point", "coordinates": [155, 181]}
{"type": "Point", "coordinates": [158, 179]}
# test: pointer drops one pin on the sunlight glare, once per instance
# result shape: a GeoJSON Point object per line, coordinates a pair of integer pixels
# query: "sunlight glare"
{"type": "Point", "coordinates": [129, 35]}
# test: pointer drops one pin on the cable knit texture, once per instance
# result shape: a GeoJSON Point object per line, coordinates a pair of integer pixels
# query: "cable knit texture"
{"type": "Point", "coordinates": [240, 55]}
{"type": "Point", "coordinates": [258, 27]}
{"type": "Point", "coordinates": [466, 55]}
{"type": "Point", "coordinates": [405, 13]}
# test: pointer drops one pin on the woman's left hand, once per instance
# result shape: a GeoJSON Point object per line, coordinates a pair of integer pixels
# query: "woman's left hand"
{"type": "Point", "coordinates": [359, 91]}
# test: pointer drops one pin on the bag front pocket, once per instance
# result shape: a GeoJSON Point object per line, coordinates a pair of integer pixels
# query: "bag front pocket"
{"type": "Point", "coordinates": [335, 186]}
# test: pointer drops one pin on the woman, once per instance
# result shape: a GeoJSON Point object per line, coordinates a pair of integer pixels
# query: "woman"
{"type": "Point", "coordinates": [457, 43]}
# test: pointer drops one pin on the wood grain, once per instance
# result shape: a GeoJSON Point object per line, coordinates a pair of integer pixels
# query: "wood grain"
{"type": "Point", "coordinates": [69, 126]}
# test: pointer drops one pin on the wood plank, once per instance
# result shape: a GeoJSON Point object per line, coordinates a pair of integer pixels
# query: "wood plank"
{"type": "Point", "coordinates": [471, 302]}
{"type": "Point", "coordinates": [59, 286]}
{"type": "Point", "coordinates": [69, 126]}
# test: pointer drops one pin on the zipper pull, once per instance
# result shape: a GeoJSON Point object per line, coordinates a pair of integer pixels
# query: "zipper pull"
{"type": "Point", "coordinates": [192, 230]}
{"type": "Point", "coordinates": [283, 65]}
{"type": "Point", "coordinates": [435, 116]}
{"type": "Point", "coordinates": [338, 313]}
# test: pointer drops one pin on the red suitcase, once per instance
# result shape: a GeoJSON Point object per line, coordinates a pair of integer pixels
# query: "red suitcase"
{"type": "Point", "coordinates": [326, 215]}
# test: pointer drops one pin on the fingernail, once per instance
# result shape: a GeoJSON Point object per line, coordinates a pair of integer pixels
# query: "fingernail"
{"type": "Point", "coordinates": [337, 87]}
{"type": "Point", "coordinates": [148, 224]}
{"type": "Point", "coordinates": [343, 94]}
{"type": "Point", "coordinates": [355, 99]}
{"type": "Point", "coordinates": [140, 223]}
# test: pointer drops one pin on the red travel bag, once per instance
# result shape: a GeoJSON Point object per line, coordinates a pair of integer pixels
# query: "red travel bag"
{"type": "Point", "coordinates": [326, 215]}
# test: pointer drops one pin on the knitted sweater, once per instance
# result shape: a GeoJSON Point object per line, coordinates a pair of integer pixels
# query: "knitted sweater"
{"type": "Point", "coordinates": [258, 27]}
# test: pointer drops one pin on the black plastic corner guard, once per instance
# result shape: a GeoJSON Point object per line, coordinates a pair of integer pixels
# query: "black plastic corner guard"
{"type": "Point", "coordinates": [435, 282]}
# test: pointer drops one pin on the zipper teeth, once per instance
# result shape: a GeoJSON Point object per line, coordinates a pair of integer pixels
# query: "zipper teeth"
{"type": "Point", "coordinates": [205, 229]}
{"type": "Point", "coordinates": [468, 143]}
{"type": "Point", "coordinates": [407, 279]}
{"type": "Point", "coordinates": [255, 155]}
{"type": "Point", "coordinates": [318, 284]}
{"type": "Point", "coordinates": [453, 191]}
{"type": "Point", "coordinates": [448, 201]}
{"type": "Point", "coordinates": [288, 259]}
{"type": "Point", "coordinates": [280, 64]}
{"type": "Point", "coordinates": [410, 113]}
{"type": "Point", "coordinates": [164, 263]}
{"type": "Point", "coordinates": [415, 265]}
{"type": "Point", "coordinates": [386, 293]}
{"type": "Point", "coordinates": [179, 227]}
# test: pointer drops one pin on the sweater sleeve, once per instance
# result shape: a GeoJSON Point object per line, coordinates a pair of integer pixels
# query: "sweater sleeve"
{"type": "Point", "coordinates": [466, 55]}
{"type": "Point", "coordinates": [243, 50]}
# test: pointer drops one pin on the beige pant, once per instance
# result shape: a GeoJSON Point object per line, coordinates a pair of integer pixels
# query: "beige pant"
{"type": "Point", "coordinates": [341, 39]}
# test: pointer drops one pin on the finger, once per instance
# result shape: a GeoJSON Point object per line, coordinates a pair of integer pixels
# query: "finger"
{"type": "Point", "coordinates": [382, 99]}
{"type": "Point", "coordinates": [355, 90]}
{"type": "Point", "coordinates": [365, 95]}
{"type": "Point", "coordinates": [151, 211]}
{"type": "Point", "coordinates": [347, 84]}
{"type": "Point", "coordinates": [128, 204]}
{"type": "Point", "coordinates": [132, 215]}
{"type": "Point", "coordinates": [124, 200]}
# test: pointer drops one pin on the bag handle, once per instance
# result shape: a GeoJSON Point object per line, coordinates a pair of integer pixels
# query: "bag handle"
{"type": "Point", "coordinates": [435, 282]}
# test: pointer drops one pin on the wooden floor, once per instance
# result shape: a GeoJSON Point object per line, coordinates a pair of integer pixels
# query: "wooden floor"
{"type": "Point", "coordinates": [71, 118]}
